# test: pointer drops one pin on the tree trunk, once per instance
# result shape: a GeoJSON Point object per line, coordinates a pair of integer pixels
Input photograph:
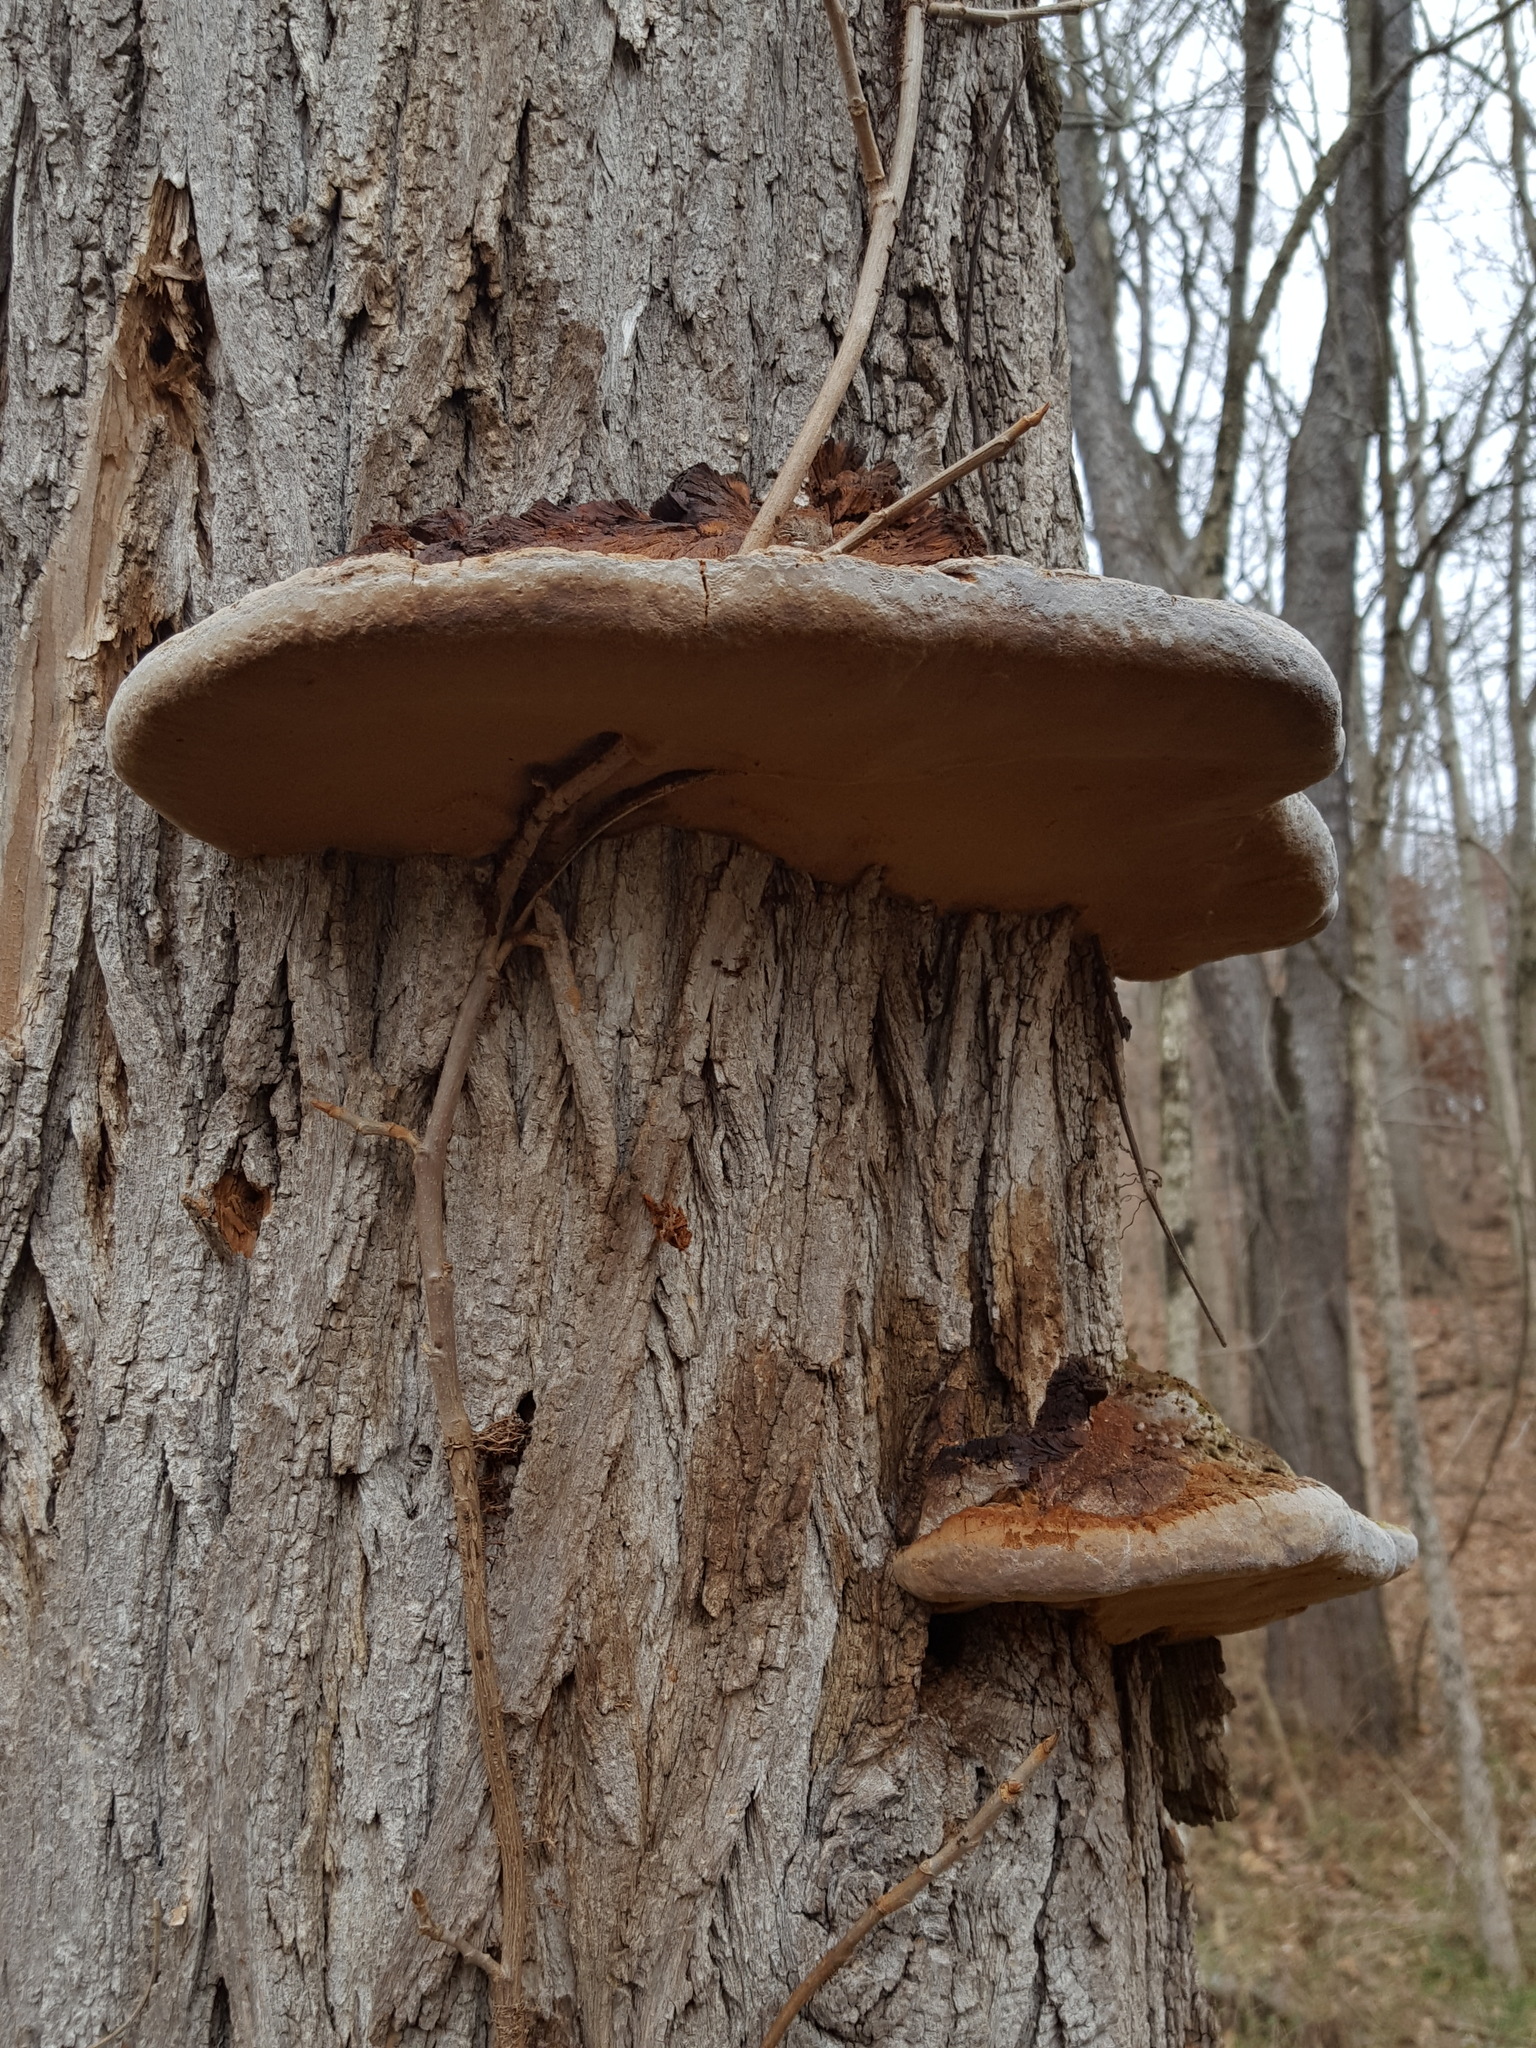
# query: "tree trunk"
{"type": "Point", "coordinates": [1303, 1157]}
{"type": "Point", "coordinates": [1281, 1050]}
{"type": "Point", "coordinates": [286, 272]}
{"type": "Point", "coordinates": [1181, 1312]}
{"type": "Point", "coordinates": [1481, 1852]}
{"type": "Point", "coordinates": [1333, 1664]}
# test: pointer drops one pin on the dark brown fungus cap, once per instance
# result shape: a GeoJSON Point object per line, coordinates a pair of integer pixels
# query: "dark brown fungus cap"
{"type": "Point", "coordinates": [991, 736]}
{"type": "Point", "coordinates": [1133, 1502]}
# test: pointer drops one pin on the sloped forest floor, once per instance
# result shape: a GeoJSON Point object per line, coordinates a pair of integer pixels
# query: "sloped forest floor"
{"type": "Point", "coordinates": [1331, 1910]}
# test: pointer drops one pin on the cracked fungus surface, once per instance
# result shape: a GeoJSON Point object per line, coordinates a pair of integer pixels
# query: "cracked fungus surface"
{"type": "Point", "coordinates": [1144, 1450]}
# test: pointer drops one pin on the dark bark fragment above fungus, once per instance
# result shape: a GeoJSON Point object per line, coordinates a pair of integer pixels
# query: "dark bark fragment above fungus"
{"type": "Point", "coordinates": [701, 516]}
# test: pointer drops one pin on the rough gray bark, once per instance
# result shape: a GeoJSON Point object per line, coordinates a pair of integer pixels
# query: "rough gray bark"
{"type": "Point", "coordinates": [277, 272]}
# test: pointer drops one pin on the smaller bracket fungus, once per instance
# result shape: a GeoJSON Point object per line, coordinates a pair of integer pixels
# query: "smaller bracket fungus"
{"type": "Point", "coordinates": [1131, 1500]}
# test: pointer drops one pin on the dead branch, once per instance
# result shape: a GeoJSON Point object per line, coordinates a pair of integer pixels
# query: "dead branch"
{"type": "Point", "coordinates": [365, 1126]}
{"type": "Point", "coordinates": [987, 452]}
{"type": "Point", "coordinates": [466, 1949]}
{"type": "Point", "coordinates": [606, 819]}
{"type": "Point", "coordinates": [872, 168]}
{"type": "Point", "coordinates": [996, 17]}
{"type": "Point", "coordinates": [137, 2014]}
{"type": "Point", "coordinates": [599, 762]}
{"type": "Point", "coordinates": [960, 1844]}
{"type": "Point", "coordinates": [886, 198]}
{"type": "Point", "coordinates": [508, 2019]}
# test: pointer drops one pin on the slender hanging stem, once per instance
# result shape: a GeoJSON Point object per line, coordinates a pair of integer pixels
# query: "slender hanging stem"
{"type": "Point", "coordinates": [508, 2016]}
{"type": "Point", "coordinates": [887, 195]}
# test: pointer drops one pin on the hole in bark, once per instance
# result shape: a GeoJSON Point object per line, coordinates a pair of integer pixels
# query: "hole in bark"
{"type": "Point", "coordinates": [947, 1637]}
{"type": "Point", "coordinates": [57, 1378]}
{"type": "Point", "coordinates": [231, 1212]}
{"type": "Point", "coordinates": [221, 2033]}
{"type": "Point", "coordinates": [501, 1447]}
{"type": "Point", "coordinates": [161, 349]}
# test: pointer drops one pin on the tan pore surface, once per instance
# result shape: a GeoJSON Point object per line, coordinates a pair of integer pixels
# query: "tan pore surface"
{"type": "Point", "coordinates": [991, 736]}
{"type": "Point", "coordinates": [1232, 1561]}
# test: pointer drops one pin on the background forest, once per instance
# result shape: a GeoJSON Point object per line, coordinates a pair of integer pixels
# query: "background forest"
{"type": "Point", "coordinates": [1301, 326]}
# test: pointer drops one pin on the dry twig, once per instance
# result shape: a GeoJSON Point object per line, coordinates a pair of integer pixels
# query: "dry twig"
{"type": "Point", "coordinates": [987, 452]}
{"type": "Point", "coordinates": [870, 165]}
{"type": "Point", "coordinates": [887, 193]}
{"type": "Point", "coordinates": [508, 2020]}
{"type": "Point", "coordinates": [980, 1824]}
{"type": "Point", "coordinates": [998, 17]}
{"type": "Point", "coordinates": [365, 1126]}
{"type": "Point", "coordinates": [607, 819]}
{"type": "Point", "coordinates": [466, 1949]}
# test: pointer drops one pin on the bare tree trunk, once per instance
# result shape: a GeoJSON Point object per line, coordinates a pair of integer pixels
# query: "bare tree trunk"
{"type": "Point", "coordinates": [1427, 1259]}
{"type": "Point", "coordinates": [1479, 1810]}
{"type": "Point", "coordinates": [1520, 705]}
{"type": "Point", "coordinates": [1518, 711]}
{"type": "Point", "coordinates": [1486, 969]}
{"type": "Point", "coordinates": [319, 268]}
{"type": "Point", "coordinates": [1177, 1156]}
{"type": "Point", "coordinates": [1336, 1659]}
{"type": "Point", "coordinates": [1302, 1154]}
{"type": "Point", "coordinates": [1280, 1047]}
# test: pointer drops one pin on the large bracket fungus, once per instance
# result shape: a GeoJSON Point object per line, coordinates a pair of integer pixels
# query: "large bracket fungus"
{"type": "Point", "coordinates": [991, 736]}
